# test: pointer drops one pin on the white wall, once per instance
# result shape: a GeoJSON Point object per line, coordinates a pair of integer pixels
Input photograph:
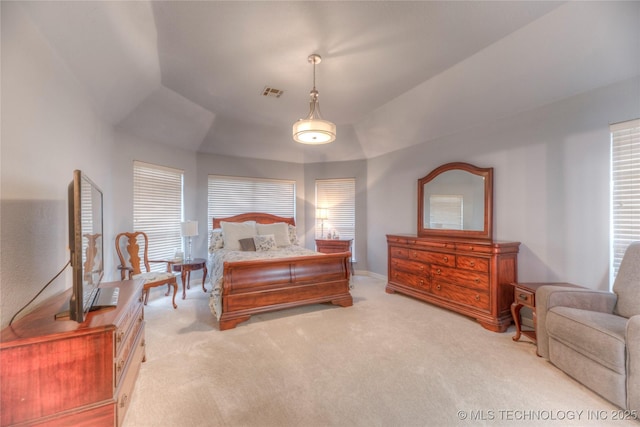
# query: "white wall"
{"type": "Point", "coordinates": [551, 184]}
{"type": "Point", "coordinates": [49, 128]}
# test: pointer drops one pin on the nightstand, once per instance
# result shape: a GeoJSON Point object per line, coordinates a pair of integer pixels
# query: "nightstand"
{"type": "Point", "coordinates": [332, 246]}
{"type": "Point", "coordinates": [525, 296]}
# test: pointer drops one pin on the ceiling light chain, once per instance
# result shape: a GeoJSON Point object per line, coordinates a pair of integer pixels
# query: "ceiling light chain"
{"type": "Point", "coordinates": [313, 129]}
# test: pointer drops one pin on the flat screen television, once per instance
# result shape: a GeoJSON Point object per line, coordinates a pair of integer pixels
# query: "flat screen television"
{"type": "Point", "coordinates": [86, 247]}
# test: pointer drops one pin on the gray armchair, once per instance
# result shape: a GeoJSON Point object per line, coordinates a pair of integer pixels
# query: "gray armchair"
{"type": "Point", "coordinates": [594, 336]}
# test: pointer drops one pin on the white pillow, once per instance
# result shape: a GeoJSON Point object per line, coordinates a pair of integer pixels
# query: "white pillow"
{"type": "Point", "coordinates": [280, 231]}
{"type": "Point", "coordinates": [234, 231]}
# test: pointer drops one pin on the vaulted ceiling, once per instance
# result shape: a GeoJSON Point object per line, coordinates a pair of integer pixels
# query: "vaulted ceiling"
{"type": "Point", "coordinates": [394, 74]}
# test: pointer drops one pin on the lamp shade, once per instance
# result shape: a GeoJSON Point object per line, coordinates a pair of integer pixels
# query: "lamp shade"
{"type": "Point", "coordinates": [314, 131]}
{"type": "Point", "coordinates": [322, 213]}
{"type": "Point", "coordinates": [189, 228]}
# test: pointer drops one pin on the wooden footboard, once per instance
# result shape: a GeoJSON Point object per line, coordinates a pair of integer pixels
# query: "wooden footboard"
{"type": "Point", "coordinates": [258, 286]}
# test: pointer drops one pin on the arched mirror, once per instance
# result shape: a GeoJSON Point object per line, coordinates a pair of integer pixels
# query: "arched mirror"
{"type": "Point", "coordinates": [456, 201]}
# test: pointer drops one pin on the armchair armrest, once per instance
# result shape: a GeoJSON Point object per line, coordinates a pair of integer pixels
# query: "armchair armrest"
{"type": "Point", "coordinates": [633, 363]}
{"type": "Point", "coordinates": [548, 297]}
{"type": "Point", "coordinates": [166, 261]}
{"type": "Point", "coordinates": [125, 272]}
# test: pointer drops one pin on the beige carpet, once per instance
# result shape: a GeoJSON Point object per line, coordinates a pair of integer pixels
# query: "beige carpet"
{"type": "Point", "coordinates": [389, 360]}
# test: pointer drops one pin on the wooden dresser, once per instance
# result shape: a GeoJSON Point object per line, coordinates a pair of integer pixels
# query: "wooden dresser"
{"type": "Point", "coordinates": [471, 278]}
{"type": "Point", "coordinates": [60, 372]}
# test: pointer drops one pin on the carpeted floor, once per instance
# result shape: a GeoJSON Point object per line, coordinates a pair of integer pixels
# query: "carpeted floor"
{"type": "Point", "coordinates": [389, 360]}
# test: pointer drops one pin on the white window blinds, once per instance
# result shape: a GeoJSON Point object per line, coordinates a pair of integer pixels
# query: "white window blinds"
{"type": "Point", "coordinates": [230, 195]}
{"type": "Point", "coordinates": [625, 189]}
{"type": "Point", "coordinates": [446, 212]}
{"type": "Point", "coordinates": [339, 197]}
{"type": "Point", "coordinates": [157, 209]}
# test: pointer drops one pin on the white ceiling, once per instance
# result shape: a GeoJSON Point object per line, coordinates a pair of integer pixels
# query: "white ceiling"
{"type": "Point", "coordinates": [393, 74]}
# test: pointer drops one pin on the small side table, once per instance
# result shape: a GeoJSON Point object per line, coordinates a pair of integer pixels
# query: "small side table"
{"type": "Point", "coordinates": [332, 246]}
{"type": "Point", "coordinates": [186, 267]}
{"type": "Point", "coordinates": [525, 296]}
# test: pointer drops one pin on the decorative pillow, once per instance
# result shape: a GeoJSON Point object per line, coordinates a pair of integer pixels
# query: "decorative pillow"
{"type": "Point", "coordinates": [247, 244]}
{"type": "Point", "coordinates": [264, 242]}
{"type": "Point", "coordinates": [215, 240]}
{"type": "Point", "coordinates": [232, 232]}
{"type": "Point", "coordinates": [293, 235]}
{"type": "Point", "coordinates": [279, 230]}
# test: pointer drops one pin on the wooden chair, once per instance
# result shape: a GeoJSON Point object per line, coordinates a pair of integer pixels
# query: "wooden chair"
{"type": "Point", "coordinates": [131, 262]}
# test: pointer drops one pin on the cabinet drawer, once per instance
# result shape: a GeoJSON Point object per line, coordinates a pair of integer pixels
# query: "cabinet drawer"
{"type": "Point", "coordinates": [473, 263]}
{"type": "Point", "coordinates": [396, 252]}
{"type": "Point", "coordinates": [433, 257]}
{"type": "Point", "coordinates": [124, 392]}
{"type": "Point", "coordinates": [131, 318]}
{"type": "Point", "coordinates": [408, 279]}
{"type": "Point", "coordinates": [461, 295]}
{"type": "Point", "coordinates": [409, 266]}
{"type": "Point", "coordinates": [128, 346]}
{"type": "Point", "coordinates": [525, 297]}
{"type": "Point", "coordinates": [466, 278]}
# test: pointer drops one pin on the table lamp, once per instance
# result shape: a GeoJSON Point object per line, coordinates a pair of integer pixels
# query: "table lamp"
{"type": "Point", "coordinates": [322, 214]}
{"type": "Point", "coordinates": [189, 229]}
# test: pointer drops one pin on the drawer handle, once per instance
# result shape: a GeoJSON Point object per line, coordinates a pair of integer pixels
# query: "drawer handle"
{"type": "Point", "coordinates": [477, 297]}
{"type": "Point", "coordinates": [120, 365]}
{"type": "Point", "coordinates": [119, 337]}
{"type": "Point", "coordinates": [472, 264]}
{"type": "Point", "coordinates": [524, 297]}
{"type": "Point", "coordinates": [415, 254]}
{"type": "Point", "coordinates": [438, 271]}
{"type": "Point", "coordinates": [421, 282]}
{"type": "Point", "coordinates": [438, 287]}
{"type": "Point", "coordinates": [476, 280]}
{"type": "Point", "coordinates": [445, 259]}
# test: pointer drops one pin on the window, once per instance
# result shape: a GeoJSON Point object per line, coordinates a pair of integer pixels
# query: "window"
{"type": "Point", "coordinates": [625, 189]}
{"type": "Point", "coordinates": [338, 196]}
{"type": "Point", "coordinates": [157, 209]}
{"type": "Point", "coordinates": [230, 195]}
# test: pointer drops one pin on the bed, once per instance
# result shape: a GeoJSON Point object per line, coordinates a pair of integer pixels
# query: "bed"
{"type": "Point", "coordinates": [270, 276]}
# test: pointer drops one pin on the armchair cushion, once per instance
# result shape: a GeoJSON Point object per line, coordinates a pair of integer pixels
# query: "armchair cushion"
{"type": "Point", "coordinates": [599, 336]}
{"type": "Point", "coordinates": [153, 276]}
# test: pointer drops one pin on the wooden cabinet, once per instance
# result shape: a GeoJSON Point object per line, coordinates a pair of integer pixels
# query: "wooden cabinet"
{"type": "Point", "coordinates": [471, 278]}
{"type": "Point", "coordinates": [60, 372]}
{"type": "Point", "coordinates": [332, 246]}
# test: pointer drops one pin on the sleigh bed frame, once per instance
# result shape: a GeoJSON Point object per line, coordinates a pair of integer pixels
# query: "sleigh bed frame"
{"type": "Point", "coordinates": [257, 286]}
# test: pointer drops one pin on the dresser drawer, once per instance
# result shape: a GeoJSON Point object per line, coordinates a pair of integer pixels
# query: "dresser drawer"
{"type": "Point", "coordinates": [397, 252]}
{"type": "Point", "coordinates": [132, 316]}
{"type": "Point", "coordinates": [473, 263]}
{"type": "Point", "coordinates": [408, 279]}
{"type": "Point", "coordinates": [409, 266]}
{"type": "Point", "coordinates": [466, 278]}
{"type": "Point", "coordinates": [125, 390]}
{"type": "Point", "coordinates": [127, 346]}
{"type": "Point", "coordinates": [461, 295]}
{"type": "Point", "coordinates": [433, 257]}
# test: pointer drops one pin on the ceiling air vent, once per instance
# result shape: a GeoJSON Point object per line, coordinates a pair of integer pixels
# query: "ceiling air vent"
{"type": "Point", "coordinates": [272, 92]}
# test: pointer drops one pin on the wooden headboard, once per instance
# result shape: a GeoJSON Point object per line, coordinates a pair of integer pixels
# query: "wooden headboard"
{"type": "Point", "coordinates": [259, 217]}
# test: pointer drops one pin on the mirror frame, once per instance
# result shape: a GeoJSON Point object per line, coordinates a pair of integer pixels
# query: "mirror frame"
{"type": "Point", "coordinates": [487, 233]}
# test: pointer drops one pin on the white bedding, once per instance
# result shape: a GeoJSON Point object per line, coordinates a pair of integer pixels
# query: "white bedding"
{"type": "Point", "coordinates": [217, 258]}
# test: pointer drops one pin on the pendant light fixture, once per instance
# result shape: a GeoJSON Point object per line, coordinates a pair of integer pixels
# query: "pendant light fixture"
{"type": "Point", "coordinates": [313, 129]}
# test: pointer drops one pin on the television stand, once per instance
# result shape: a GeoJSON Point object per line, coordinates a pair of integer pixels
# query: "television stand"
{"type": "Point", "coordinates": [60, 372]}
